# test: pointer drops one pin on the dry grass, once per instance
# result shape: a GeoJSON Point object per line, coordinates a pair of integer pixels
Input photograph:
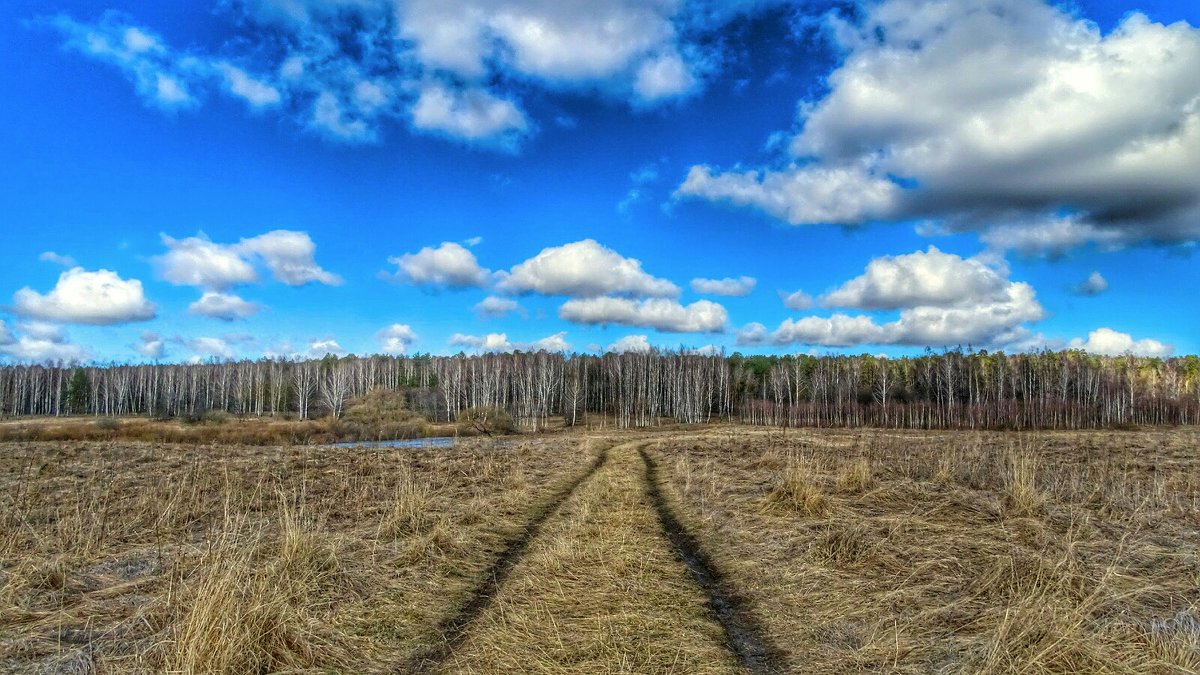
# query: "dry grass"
{"type": "Point", "coordinates": [379, 415]}
{"type": "Point", "coordinates": [141, 558]}
{"type": "Point", "coordinates": [956, 552]}
{"type": "Point", "coordinates": [878, 551]}
{"type": "Point", "coordinates": [796, 490]}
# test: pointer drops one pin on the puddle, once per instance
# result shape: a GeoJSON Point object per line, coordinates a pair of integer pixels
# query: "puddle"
{"type": "Point", "coordinates": [435, 442]}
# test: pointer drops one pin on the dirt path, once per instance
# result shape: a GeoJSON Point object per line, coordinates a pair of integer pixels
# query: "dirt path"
{"type": "Point", "coordinates": [600, 589]}
{"type": "Point", "coordinates": [742, 633]}
{"type": "Point", "coordinates": [454, 628]}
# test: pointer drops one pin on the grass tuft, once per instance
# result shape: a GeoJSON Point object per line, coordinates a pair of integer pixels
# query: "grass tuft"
{"type": "Point", "coordinates": [796, 490]}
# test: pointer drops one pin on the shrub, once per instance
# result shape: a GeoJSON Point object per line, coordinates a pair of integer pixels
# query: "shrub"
{"type": "Point", "coordinates": [486, 420]}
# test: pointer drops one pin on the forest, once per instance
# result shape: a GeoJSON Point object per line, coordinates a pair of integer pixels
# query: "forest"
{"type": "Point", "coordinates": [948, 390]}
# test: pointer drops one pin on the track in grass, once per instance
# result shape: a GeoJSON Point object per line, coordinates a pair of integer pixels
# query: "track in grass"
{"type": "Point", "coordinates": [742, 634]}
{"type": "Point", "coordinates": [454, 629]}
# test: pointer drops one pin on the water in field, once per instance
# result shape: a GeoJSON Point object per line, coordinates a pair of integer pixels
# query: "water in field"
{"type": "Point", "coordinates": [436, 442]}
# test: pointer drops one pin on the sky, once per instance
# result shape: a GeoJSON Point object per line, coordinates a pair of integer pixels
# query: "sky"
{"type": "Point", "coordinates": [229, 179]}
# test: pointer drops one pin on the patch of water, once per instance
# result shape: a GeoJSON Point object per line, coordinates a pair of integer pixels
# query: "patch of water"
{"type": "Point", "coordinates": [434, 442]}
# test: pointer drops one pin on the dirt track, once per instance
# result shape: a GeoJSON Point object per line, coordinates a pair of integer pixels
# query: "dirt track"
{"type": "Point", "coordinates": [606, 552]}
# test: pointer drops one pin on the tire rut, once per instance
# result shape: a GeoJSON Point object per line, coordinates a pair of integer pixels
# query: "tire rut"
{"type": "Point", "coordinates": [454, 629]}
{"type": "Point", "coordinates": [742, 633]}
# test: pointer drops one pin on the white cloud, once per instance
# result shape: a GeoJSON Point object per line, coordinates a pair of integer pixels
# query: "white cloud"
{"type": "Point", "coordinates": [797, 300]}
{"type": "Point", "coordinates": [943, 299]}
{"type": "Point", "coordinates": [492, 342]}
{"type": "Point", "coordinates": [661, 314]}
{"type": "Point", "coordinates": [223, 306]}
{"type": "Point", "coordinates": [470, 114]}
{"type": "Point", "coordinates": [396, 338]}
{"type": "Point", "coordinates": [283, 350]}
{"type": "Point", "coordinates": [838, 330]}
{"type": "Point", "coordinates": [43, 331]}
{"type": "Point", "coordinates": [921, 278]}
{"type": "Point", "coordinates": [258, 93]}
{"type": "Point", "coordinates": [499, 342]}
{"type": "Point", "coordinates": [473, 241]}
{"type": "Point", "coordinates": [157, 74]}
{"type": "Point", "coordinates": [198, 261]}
{"type": "Point", "coordinates": [151, 345]}
{"type": "Point", "coordinates": [448, 68]}
{"type": "Point", "coordinates": [38, 343]}
{"type": "Point", "coordinates": [1104, 128]}
{"type": "Point", "coordinates": [449, 265]}
{"type": "Point", "coordinates": [494, 307]}
{"type": "Point", "coordinates": [739, 287]}
{"type": "Point", "coordinates": [100, 298]}
{"type": "Point", "coordinates": [1051, 236]}
{"type": "Point", "coordinates": [1112, 343]}
{"type": "Point", "coordinates": [809, 195]}
{"type": "Point", "coordinates": [206, 347]}
{"type": "Point", "coordinates": [1095, 284]}
{"type": "Point", "coordinates": [665, 76]}
{"type": "Point", "coordinates": [584, 269]}
{"type": "Point", "coordinates": [997, 322]}
{"type": "Point", "coordinates": [753, 333]}
{"type": "Point", "coordinates": [630, 343]}
{"type": "Point", "coordinates": [290, 255]}
{"type": "Point", "coordinates": [551, 343]}
{"type": "Point", "coordinates": [52, 257]}
{"type": "Point", "coordinates": [332, 119]}
{"type": "Point", "coordinates": [319, 348]}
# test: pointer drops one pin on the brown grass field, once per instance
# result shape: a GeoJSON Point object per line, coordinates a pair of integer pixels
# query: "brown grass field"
{"type": "Point", "coordinates": [716, 549]}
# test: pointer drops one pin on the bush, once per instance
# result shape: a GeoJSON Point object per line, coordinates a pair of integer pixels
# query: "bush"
{"type": "Point", "coordinates": [486, 420]}
{"type": "Point", "coordinates": [108, 424]}
{"type": "Point", "coordinates": [381, 414]}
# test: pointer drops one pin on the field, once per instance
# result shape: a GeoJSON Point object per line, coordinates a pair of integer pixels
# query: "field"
{"type": "Point", "coordinates": [715, 549]}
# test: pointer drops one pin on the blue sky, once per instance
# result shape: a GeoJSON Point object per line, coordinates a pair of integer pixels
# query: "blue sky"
{"type": "Point", "coordinates": [237, 178]}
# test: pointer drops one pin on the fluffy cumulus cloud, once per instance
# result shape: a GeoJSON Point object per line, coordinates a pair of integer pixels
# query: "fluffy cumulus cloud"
{"type": "Point", "coordinates": [797, 300]}
{"type": "Point", "coordinates": [449, 265]}
{"type": "Point", "coordinates": [1112, 343]}
{"type": "Point", "coordinates": [661, 314]}
{"type": "Point", "coordinates": [100, 298]}
{"type": "Point", "coordinates": [150, 345]}
{"type": "Point", "coordinates": [923, 278]}
{"type": "Point", "coordinates": [223, 306]}
{"type": "Point", "coordinates": [943, 299]}
{"type": "Point", "coordinates": [584, 269]}
{"type": "Point", "coordinates": [739, 287]}
{"type": "Point", "coordinates": [38, 342]}
{"type": "Point", "coordinates": [323, 346]}
{"type": "Point", "coordinates": [499, 342]}
{"type": "Point", "coordinates": [1094, 284]}
{"type": "Point", "coordinates": [1074, 136]}
{"type": "Point", "coordinates": [349, 67]}
{"type": "Point", "coordinates": [630, 343]}
{"type": "Point", "coordinates": [197, 261]}
{"type": "Point", "coordinates": [289, 256]}
{"type": "Point", "coordinates": [396, 338]}
{"type": "Point", "coordinates": [495, 307]}
{"type": "Point", "coordinates": [470, 115]}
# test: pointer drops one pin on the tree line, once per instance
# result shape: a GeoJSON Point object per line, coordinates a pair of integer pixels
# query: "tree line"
{"type": "Point", "coordinates": [951, 389]}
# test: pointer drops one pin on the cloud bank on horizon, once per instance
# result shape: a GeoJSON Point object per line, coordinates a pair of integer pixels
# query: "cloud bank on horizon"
{"type": "Point", "coordinates": [1045, 155]}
